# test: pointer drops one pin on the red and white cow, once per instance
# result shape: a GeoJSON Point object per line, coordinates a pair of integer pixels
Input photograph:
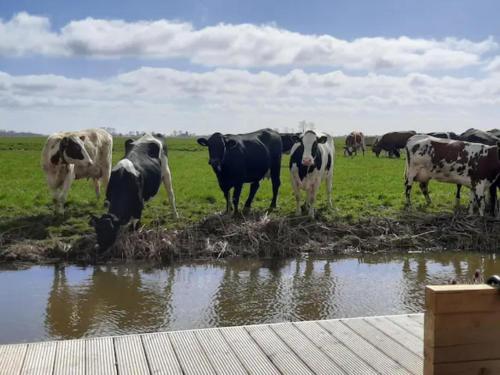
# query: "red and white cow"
{"type": "Point", "coordinates": [474, 165]}
{"type": "Point", "coordinates": [311, 162]}
{"type": "Point", "coordinates": [354, 141]}
{"type": "Point", "coordinates": [74, 155]}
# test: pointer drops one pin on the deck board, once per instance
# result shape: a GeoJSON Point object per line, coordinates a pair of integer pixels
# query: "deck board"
{"type": "Point", "coordinates": [12, 358]}
{"type": "Point", "coordinates": [372, 345]}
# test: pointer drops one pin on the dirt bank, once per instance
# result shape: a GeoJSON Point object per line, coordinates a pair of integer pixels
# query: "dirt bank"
{"type": "Point", "coordinates": [269, 236]}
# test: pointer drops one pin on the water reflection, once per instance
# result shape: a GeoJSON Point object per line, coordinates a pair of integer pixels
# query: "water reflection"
{"type": "Point", "coordinates": [47, 302]}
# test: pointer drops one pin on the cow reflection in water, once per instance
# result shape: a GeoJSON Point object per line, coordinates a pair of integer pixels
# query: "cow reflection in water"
{"type": "Point", "coordinates": [111, 300]}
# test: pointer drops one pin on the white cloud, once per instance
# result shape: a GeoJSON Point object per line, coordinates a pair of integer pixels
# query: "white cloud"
{"type": "Point", "coordinates": [237, 100]}
{"type": "Point", "coordinates": [226, 45]}
{"type": "Point", "coordinates": [494, 65]}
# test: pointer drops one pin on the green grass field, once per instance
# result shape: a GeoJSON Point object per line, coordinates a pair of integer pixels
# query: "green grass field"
{"type": "Point", "coordinates": [363, 186]}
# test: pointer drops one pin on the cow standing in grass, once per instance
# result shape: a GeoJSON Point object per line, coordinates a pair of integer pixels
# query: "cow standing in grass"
{"type": "Point", "coordinates": [354, 141]}
{"type": "Point", "coordinates": [311, 162]}
{"type": "Point", "coordinates": [245, 158]}
{"type": "Point", "coordinates": [474, 165]}
{"type": "Point", "coordinates": [134, 180]}
{"type": "Point", "coordinates": [70, 156]}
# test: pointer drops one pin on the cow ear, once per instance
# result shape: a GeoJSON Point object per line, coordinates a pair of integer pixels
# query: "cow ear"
{"type": "Point", "coordinates": [128, 145]}
{"type": "Point", "coordinates": [231, 143]}
{"type": "Point", "coordinates": [202, 141]}
{"type": "Point", "coordinates": [322, 139]}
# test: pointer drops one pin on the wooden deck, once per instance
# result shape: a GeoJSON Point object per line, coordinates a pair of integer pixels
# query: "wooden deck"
{"type": "Point", "coordinates": [374, 345]}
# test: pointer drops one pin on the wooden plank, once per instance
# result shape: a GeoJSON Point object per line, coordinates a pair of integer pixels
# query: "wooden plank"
{"type": "Point", "coordinates": [40, 358]}
{"type": "Point", "coordinates": [219, 353]}
{"type": "Point", "coordinates": [280, 354]}
{"type": "Point", "coordinates": [100, 356]}
{"type": "Point", "coordinates": [368, 352]}
{"type": "Point", "coordinates": [459, 329]}
{"type": "Point", "coordinates": [160, 354]}
{"type": "Point", "coordinates": [130, 355]}
{"type": "Point", "coordinates": [192, 358]}
{"type": "Point", "coordinates": [70, 357]}
{"type": "Point", "coordinates": [463, 368]}
{"type": "Point", "coordinates": [390, 347]}
{"type": "Point", "coordinates": [454, 299]}
{"type": "Point", "coordinates": [333, 348]}
{"type": "Point", "coordinates": [12, 358]}
{"type": "Point", "coordinates": [249, 353]}
{"type": "Point", "coordinates": [409, 324]}
{"type": "Point", "coordinates": [310, 354]}
{"type": "Point", "coordinates": [419, 318]}
{"type": "Point", "coordinates": [398, 334]}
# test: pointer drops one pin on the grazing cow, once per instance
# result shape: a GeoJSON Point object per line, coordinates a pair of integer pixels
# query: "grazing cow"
{"type": "Point", "coordinates": [71, 156]}
{"type": "Point", "coordinates": [353, 142]}
{"type": "Point", "coordinates": [134, 180]}
{"type": "Point", "coordinates": [474, 165]}
{"type": "Point", "coordinates": [392, 142]}
{"type": "Point", "coordinates": [311, 162]}
{"type": "Point", "coordinates": [287, 141]}
{"type": "Point", "coordinates": [445, 135]}
{"type": "Point", "coordinates": [245, 158]}
{"type": "Point", "coordinates": [479, 136]}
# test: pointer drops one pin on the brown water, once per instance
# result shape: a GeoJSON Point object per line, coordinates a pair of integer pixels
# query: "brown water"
{"type": "Point", "coordinates": [47, 302]}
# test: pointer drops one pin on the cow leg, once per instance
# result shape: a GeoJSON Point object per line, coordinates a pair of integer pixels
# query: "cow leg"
{"type": "Point", "coordinates": [236, 197]}
{"type": "Point", "coordinates": [167, 182]}
{"type": "Point", "coordinates": [68, 181]}
{"type": "Point", "coordinates": [457, 196]}
{"type": "Point", "coordinates": [276, 182]}
{"type": "Point", "coordinates": [424, 186]}
{"type": "Point", "coordinates": [253, 189]}
{"type": "Point", "coordinates": [296, 193]}
{"type": "Point", "coordinates": [408, 185]}
{"type": "Point", "coordinates": [227, 196]}
{"type": "Point", "coordinates": [311, 198]}
{"type": "Point", "coordinates": [493, 200]}
{"type": "Point", "coordinates": [329, 187]}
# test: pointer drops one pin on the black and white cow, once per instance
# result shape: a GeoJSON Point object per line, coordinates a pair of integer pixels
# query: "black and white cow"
{"type": "Point", "coordinates": [311, 162]}
{"type": "Point", "coordinates": [245, 158]}
{"type": "Point", "coordinates": [134, 180]}
{"type": "Point", "coordinates": [474, 165]}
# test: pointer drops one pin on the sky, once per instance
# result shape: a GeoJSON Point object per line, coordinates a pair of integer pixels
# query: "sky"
{"type": "Point", "coordinates": [238, 66]}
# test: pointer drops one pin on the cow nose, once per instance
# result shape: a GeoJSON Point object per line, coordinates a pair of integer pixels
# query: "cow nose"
{"type": "Point", "coordinates": [307, 162]}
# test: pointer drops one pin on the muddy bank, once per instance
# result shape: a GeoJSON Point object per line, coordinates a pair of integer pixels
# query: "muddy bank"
{"type": "Point", "coordinates": [268, 236]}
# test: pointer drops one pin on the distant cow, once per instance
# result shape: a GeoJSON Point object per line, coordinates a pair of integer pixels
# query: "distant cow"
{"type": "Point", "coordinates": [134, 180]}
{"type": "Point", "coordinates": [354, 141]}
{"type": "Point", "coordinates": [245, 158]}
{"type": "Point", "coordinates": [479, 136]}
{"type": "Point", "coordinates": [445, 135]}
{"type": "Point", "coordinates": [392, 142]}
{"type": "Point", "coordinates": [74, 155]}
{"type": "Point", "coordinates": [474, 165]}
{"type": "Point", "coordinates": [311, 162]}
{"type": "Point", "coordinates": [495, 132]}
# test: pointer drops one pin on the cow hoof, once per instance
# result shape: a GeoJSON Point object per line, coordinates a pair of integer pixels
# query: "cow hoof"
{"type": "Point", "coordinates": [246, 210]}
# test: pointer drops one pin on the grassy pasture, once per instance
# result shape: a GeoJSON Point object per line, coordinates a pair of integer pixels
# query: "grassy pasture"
{"type": "Point", "coordinates": [363, 186]}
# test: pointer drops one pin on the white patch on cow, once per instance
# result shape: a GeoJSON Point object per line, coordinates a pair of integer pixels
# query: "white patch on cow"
{"type": "Point", "coordinates": [128, 166]}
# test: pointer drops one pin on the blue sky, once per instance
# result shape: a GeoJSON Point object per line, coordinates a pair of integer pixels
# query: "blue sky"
{"type": "Point", "coordinates": [237, 66]}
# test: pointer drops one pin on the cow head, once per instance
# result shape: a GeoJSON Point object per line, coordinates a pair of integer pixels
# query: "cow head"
{"type": "Point", "coordinates": [376, 146]}
{"type": "Point", "coordinates": [106, 228]}
{"type": "Point", "coordinates": [72, 151]}
{"type": "Point", "coordinates": [309, 142]}
{"type": "Point", "coordinates": [218, 145]}
{"type": "Point", "coordinates": [348, 150]}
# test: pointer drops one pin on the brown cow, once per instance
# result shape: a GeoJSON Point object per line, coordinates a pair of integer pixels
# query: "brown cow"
{"type": "Point", "coordinates": [353, 142]}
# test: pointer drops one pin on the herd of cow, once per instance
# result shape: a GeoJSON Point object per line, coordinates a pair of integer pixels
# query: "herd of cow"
{"type": "Point", "coordinates": [470, 159]}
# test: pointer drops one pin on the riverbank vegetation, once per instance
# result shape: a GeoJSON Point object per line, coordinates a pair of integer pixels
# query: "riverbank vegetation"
{"type": "Point", "coordinates": [368, 212]}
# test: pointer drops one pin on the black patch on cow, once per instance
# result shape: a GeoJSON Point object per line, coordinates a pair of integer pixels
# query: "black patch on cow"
{"type": "Point", "coordinates": [329, 162]}
{"type": "Point", "coordinates": [55, 158]}
{"type": "Point", "coordinates": [415, 148]}
{"type": "Point", "coordinates": [71, 148]}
